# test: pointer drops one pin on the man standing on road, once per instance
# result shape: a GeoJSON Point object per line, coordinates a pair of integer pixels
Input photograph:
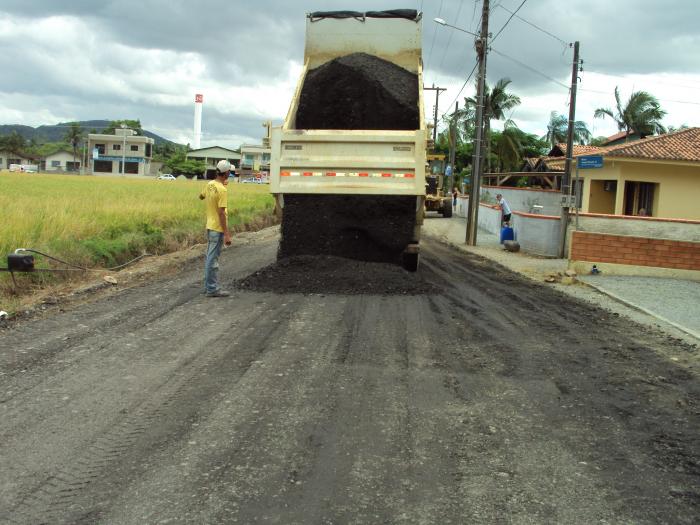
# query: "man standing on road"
{"type": "Point", "coordinates": [216, 199]}
{"type": "Point", "coordinates": [505, 210]}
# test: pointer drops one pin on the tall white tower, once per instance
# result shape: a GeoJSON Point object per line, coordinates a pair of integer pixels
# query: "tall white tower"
{"type": "Point", "coordinates": [198, 101]}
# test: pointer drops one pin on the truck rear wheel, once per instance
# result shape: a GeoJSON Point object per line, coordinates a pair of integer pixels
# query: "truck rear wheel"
{"type": "Point", "coordinates": [447, 208]}
{"type": "Point", "coordinates": [410, 261]}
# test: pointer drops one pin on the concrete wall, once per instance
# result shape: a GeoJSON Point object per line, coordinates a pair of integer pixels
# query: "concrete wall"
{"type": "Point", "coordinates": [522, 199]}
{"type": "Point", "coordinates": [538, 234]}
{"type": "Point", "coordinates": [650, 227]}
{"type": "Point", "coordinates": [490, 219]}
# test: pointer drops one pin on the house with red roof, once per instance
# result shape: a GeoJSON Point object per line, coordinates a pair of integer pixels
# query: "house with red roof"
{"type": "Point", "coordinates": [656, 176]}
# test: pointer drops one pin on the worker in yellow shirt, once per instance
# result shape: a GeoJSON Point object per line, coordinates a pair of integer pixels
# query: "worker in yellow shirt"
{"type": "Point", "coordinates": [215, 195]}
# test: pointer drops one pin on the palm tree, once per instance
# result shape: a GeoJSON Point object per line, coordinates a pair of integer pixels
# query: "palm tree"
{"type": "Point", "coordinates": [558, 127]}
{"type": "Point", "coordinates": [73, 136]}
{"type": "Point", "coordinates": [642, 114]}
{"type": "Point", "coordinates": [509, 146]}
{"type": "Point", "coordinates": [496, 102]}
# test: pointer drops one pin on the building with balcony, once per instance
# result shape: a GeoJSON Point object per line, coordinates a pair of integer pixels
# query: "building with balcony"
{"type": "Point", "coordinates": [122, 153]}
{"type": "Point", "coordinates": [255, 159]}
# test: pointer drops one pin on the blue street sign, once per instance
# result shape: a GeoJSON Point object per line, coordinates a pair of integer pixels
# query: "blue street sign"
{"type": "Point", "coordinates": [590, 161]}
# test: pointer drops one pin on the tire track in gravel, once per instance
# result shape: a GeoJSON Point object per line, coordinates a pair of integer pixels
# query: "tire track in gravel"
{"type": "Point", "coordinates": [67, 491]}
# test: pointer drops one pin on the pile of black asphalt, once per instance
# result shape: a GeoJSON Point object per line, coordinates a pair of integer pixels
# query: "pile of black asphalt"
{"type": "Point", "coordinates": [326, 274]}
{"type": "Point", "coordinates": [359, 91]}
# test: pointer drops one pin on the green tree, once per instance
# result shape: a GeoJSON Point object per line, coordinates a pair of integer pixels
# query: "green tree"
{"type": "Point", "coordinates": [642, 113]}
{"type": "Point", "coordinates": [179, 164]}
{"type": "Point", "coordinates": [558, 127]}
{"type": "Point", "coordinates": [598, 141]}
{"type": "Point", "coordinates": [13, 143]}
{"type": "Point", "coordinates": [131, 124]}
{"type": "Point", "coordinates": [496, 102]}
{"type": "Point", "coordinates": [74, 135]}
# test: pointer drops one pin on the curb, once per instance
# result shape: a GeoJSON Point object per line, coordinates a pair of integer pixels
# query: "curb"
{"type": "Point", "coordinates": [630, 304]}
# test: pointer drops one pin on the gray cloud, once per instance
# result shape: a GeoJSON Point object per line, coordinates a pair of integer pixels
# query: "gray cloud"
{"type": "Point", "coordinates": [144, 59]}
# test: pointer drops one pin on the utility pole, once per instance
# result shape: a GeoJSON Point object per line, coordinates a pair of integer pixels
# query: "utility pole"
{"type": "Point", "coordinates": [435, 112]}
{"type": "Point", "coordinates": [453, 149]}
{"type": "Point", "coordinates": [481, 45]}
{"type": "Point", "coordinates": [566, 179]}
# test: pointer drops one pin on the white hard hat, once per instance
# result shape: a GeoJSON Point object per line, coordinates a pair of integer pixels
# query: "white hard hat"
{"type": "Point", "coordinates": [223, 166]}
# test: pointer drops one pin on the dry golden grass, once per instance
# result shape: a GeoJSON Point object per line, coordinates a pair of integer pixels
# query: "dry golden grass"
{"type": "Point", "coordinates": [102, 221]}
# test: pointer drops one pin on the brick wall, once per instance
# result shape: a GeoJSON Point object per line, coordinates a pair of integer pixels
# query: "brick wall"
{"type": "Point", "coordinates": [640, 251]}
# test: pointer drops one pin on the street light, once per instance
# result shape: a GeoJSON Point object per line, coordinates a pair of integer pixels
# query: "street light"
{"type": "Point", "coordinates": [481, 46]}
{"type": "Point", "coordinates": [443, 23]}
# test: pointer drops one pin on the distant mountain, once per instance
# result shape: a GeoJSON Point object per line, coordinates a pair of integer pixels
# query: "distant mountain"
{"type": "Point", "coordinates": [56, 132]}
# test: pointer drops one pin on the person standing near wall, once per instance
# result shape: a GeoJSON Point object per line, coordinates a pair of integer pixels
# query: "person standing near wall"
{"type": "Point", "coordinates": [215, 196]}
{"type": "Point", "coordinates": [505, 210]}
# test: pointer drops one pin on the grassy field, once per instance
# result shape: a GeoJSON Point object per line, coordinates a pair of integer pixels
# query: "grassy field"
{"type": "Point", "coordinates": [104, 221]}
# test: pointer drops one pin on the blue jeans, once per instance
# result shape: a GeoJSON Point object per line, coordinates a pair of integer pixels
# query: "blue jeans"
{"type": "Point", "coordinates": [215, 240]}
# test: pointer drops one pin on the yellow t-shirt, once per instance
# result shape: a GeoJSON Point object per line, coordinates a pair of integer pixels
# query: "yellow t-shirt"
{"type": "Point", "coordinates": [215, 195]}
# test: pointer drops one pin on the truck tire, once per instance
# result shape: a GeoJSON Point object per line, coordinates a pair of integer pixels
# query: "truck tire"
{"type": "Point", "coordinates": [447, 209]}
{"type": "Point", "coordinates": [409, 261]}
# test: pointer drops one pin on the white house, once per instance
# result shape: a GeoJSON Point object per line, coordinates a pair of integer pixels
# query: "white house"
{"type": "Point", "coordinates": [62, 160]}
{"type": "Point", "coordinates": [212, 155]}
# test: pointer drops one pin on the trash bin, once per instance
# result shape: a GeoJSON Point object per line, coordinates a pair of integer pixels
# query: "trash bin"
{"type": "Point", "coordinates": [507, 234]}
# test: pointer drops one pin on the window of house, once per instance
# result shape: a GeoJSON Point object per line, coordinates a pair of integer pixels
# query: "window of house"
{"type": "Point", "coordinates": [266, 158]}
{"type": "Point", "coordinates": [103, 166]}
{"type": "Point", "coordinates": [55, 163]}
{"type": "Point", "coordinates": [116, 146]}
{"type": "Point", "coordinates": [134, 147]}
{"type": "Point", "coordinates": [72, 166]}
{"type": "Point", "coordinates": [148, 150]}
{"type": "Point", "coordinates": [100, 148]}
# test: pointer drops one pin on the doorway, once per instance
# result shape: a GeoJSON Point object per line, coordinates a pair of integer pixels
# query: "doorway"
{"type": "Point", "coordinates": [639, 198]}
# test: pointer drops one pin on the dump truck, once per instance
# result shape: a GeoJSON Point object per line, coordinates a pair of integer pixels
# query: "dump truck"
{"type": "Point", "coordinates": [348, 163]}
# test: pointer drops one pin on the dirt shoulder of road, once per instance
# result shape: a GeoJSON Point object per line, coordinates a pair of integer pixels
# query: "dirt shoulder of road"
{"type": "Point", "coordinates": [98, 284]}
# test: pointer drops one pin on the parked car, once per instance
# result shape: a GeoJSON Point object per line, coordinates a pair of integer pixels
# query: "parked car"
{"type": "Point", "coordinates": [166, 176]}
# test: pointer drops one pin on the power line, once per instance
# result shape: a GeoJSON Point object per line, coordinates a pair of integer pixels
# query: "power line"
{"type": "Point", "coordinates": [529, 68]}
{"type": "Point", "coordinates": [507, 21]}
{"type": "Point", "coordinates": [607, 93]}
{"type": "Point", "coordinates": [449, 40]}
{"type": "Point", "coordinates": [462, 89]}
{"type": "Point", "coordinates": [533, 25]}
{"type": "Point", "coordinates": [652, 81]}
{"type": "Point", "coordinates": [432, 45]}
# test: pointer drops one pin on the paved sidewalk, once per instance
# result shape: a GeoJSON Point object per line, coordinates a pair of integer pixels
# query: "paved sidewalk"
{"type": "Point", "coordinates": [670, 304]}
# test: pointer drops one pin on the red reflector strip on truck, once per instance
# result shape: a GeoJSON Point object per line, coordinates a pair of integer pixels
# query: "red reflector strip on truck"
{"type": "Point", "coordinates": [383, 175]}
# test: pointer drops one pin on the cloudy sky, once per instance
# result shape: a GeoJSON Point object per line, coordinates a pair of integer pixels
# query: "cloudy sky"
{"type": "Point", "coordinates": [68, 60]}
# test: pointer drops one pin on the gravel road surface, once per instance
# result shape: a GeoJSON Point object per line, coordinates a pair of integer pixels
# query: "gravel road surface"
{"type": "Point", "coordinates": [491, 399]}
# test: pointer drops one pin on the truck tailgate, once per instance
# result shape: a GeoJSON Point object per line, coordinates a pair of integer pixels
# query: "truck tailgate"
{"type": "Point", "coordinates": [370, 162]}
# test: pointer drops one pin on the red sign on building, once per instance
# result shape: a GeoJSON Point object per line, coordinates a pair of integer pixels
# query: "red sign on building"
{"type": "Point", "coordinates": [199, 98]}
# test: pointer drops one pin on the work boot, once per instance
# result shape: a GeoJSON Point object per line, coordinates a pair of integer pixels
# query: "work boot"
{"type": "Point", "coordinates": [218, 293]}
